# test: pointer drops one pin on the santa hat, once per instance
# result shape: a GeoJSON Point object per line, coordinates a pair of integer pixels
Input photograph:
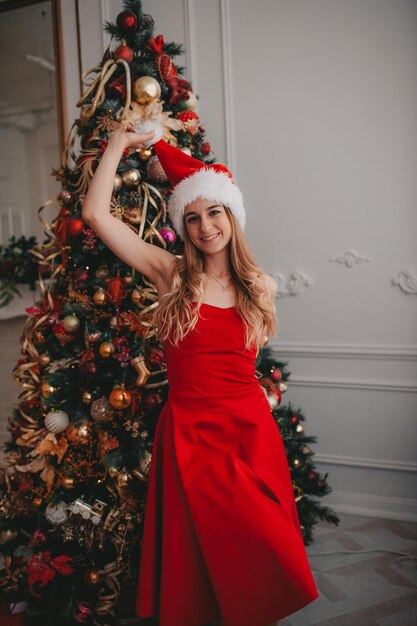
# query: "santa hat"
{"type": "Point", "coordinates": [192, 179]}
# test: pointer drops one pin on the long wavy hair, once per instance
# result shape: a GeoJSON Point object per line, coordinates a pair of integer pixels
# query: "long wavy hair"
{"type": "Point", "coordinates": [175, 317]}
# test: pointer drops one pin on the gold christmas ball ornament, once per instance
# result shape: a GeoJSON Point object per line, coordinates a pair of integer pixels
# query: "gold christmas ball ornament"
{"type": "Point", "coordinates": [56, 421]}
{"type": "Point", "coordinates": [146, 89]}
{"type": "Point", "coordinates": [300, 428]}
{"type": "Point", "coordinates": [136, 296]}
{"type": "Point", "coordinates": [47, 390]}
{"type": "Point", "coordinates": [8, 535]}
{"type": "Point", "coordinates": [120, 397]}
{"type": "Point", "coordinates": [71, 323]}
{"type": "Point", "coordinates": [282, 387]}
{"type": "Point", "coordinates": [155, 170]}
{"type": "Point", "coordinates": [118, 182]}
{"type": "Point", "coordinates": [100, 297]}
{"type": "Point", "coordinates": [92, 577]}
{"type": "Point", "coordinates": [44, 359]}
{"type": "Point", "coordinates": [87, 397]}
{"type": "Point", "coordinates": [106, 349]}
{"type": "Point", "coordinates": [131, 177]}
{"type": "Point", "coordinates": [37, 502]}
{"type": "Point", "coordinates": [102, 271]}
{"type": "Point", "coordinates": [145, 154]}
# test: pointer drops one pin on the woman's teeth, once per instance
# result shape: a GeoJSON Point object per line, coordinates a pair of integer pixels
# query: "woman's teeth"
{"type": "Point", "coordinates": [210, 238]}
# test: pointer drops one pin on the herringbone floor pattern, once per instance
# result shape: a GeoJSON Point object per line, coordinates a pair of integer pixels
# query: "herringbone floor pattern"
{"type": "Point", "coordinates": [369, 589]}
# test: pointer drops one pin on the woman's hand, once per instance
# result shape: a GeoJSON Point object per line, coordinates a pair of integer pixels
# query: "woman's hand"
{"type": "Point", "coordinates": [123, 139]}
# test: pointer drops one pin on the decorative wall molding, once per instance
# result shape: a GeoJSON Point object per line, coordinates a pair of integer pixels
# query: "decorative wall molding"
{"type": "Point", "coordinates": [105, 17]}
{"type": "Point", "coordinates": [227, 85]}
{"type": "Point", "coordinates": [384, 507]}
{"type": "Point", "coordinates": [347, 351]}
{"type": "Point", "coordinates": [351, 383]}
{"type": "Point", "coordinates": [189, 31]}
{"type": "Point", "coordinates": [350, 461]}
{"type": "Point", "coordinates": [350, 259]}
{"type": "Point", "coordinates": [293, 286]}
{"type": "Point", "coordinates": [406, 281]}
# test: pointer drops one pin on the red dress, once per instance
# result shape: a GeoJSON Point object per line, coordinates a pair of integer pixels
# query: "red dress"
{"type": "Point", "coordinates": [221, 536]}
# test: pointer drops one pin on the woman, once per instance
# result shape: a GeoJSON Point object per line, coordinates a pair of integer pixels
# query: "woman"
{"type": "Point", "coordinates": [221, 537]}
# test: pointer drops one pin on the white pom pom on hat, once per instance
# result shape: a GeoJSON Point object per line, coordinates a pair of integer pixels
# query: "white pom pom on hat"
{"type": "Point", "coordinates": [192, 179]}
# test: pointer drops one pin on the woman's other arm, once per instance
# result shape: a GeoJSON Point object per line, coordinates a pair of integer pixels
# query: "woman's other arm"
{"type": "Point", "coordinates": [146, 258]}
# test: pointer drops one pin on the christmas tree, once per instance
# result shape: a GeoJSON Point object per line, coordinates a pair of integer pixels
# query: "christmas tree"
{"type": "Point", "coordinates": [92, 372]}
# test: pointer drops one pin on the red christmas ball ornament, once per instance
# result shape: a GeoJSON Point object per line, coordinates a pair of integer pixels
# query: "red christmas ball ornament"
{"type": "Point", "coordinates": [123, 52]}
{"type": "Point", "coordinates": [312, 475]}
{"type": "Point", "coordinates": [75, 227]}
{"type": "Point", "coordinates": [152, 401]}
{"type": "Point", "coordinates": [276, 374]}
{"type": "Point", "coordinates": [127, 21]}
{"type": "Point", "coordinates": [294, 419]}
{"type": "Point", "coordinates": [81, 275]}
{"type": "Point", "coordinates": [88, 369]}
{"type": "Point", "coordinates": [168, 234]}
{"type": "Point", "coordinates": [156, 356]}
{"type": "Point", "coordinates": [206, 148]}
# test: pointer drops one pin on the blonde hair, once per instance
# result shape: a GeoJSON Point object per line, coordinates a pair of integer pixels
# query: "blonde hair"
{"type": "Point", "coordinates": [174, 318]}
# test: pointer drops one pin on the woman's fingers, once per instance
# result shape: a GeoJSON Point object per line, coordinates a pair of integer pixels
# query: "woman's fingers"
{"type": "Point", "coordinates": [136, 140]}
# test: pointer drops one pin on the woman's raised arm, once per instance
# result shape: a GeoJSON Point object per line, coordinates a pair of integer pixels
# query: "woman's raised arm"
{"type": "Point", "coordinates": [144, 257]}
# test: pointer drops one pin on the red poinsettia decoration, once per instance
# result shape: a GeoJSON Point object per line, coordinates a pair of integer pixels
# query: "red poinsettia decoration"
{"type": "Point", "coordinates": [42, 568]}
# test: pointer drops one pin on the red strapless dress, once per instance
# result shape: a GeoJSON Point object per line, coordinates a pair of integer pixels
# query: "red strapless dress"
{"type": "Point", "coordinates": [221, 536]}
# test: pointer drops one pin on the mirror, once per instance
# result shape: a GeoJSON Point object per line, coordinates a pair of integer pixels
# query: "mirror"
{"type": "Point", "coordinates": [32, 132]}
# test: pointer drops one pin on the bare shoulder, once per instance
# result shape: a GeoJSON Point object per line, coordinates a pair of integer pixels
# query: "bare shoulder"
{"type": "Point", "coordinates": [272, 285]}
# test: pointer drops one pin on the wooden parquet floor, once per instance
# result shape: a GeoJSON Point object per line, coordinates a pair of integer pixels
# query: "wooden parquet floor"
{"type": "Point", "coordinates": [375, 588]}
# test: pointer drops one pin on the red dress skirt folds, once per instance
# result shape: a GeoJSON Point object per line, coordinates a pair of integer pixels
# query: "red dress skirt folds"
{"type": "Point", "coordinates": [221, 536]}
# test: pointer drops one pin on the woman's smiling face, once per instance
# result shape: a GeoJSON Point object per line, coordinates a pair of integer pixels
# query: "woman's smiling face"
{"type": "Point", "coordinates": [207, 225]}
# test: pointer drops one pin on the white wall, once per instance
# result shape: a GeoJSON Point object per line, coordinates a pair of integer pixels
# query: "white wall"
{"type": "Point", "coordinates": [311, 103]}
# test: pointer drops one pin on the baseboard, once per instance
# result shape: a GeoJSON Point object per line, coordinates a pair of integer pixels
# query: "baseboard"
{"type": "Point", "coordinates": [404, 509]}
